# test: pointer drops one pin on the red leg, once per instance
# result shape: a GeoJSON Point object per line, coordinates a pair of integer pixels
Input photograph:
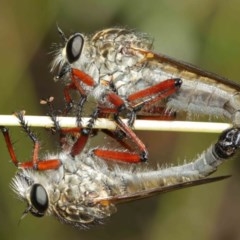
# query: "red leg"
{"type": "Point", "coordinates": [119, 106]}
{"type": "Point", "coordinates": [9, 145]}
{"type": "Point", "coordinates": [120, 156]}
{"type": "Point", "coordinates": [85, 133]}
{"type": "Point", "coordinates": [116, 101]}
{"type": "Point", "coordinates": [69, 102]}
{"type": "Point", "coordinates": [82, 76]}
{"type": "Point", "coordinates": [81, 142]}
{"type": "Point", "coordinates": [145, 98]}
{"type": "Point", "coordinates": [35, 163]}
{"type": "Point", "coordinates": [154, 93]}
{"type": "Point", "coordinates": [130, 135]}
{"type": "Point", "coordinates": [65, 144]}
{"type": "Point", "coordinates": [41, 165]}
{"type": "Point", "coordinates": [161, 90]}
{"type": "Point", "coordinates": [133, 137]}
{"type": "Point", "coordinates": [77, 77]}
{"type": "Point", "coordinates": [67, 97]}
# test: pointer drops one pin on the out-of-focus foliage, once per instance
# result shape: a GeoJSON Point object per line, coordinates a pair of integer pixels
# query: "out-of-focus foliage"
{"type": "Point", "coordinates": [202, 32]}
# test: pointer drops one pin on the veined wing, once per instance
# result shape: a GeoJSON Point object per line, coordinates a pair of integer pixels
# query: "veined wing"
{"type": "Point", "coordinates": [184, 69]}
{"type": "Point", "coordinates": [154, 191]}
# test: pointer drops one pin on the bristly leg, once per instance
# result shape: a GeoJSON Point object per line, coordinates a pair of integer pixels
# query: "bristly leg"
{"type": "Point", "coordinates": [53, 115]}
{"type": "Point", "coordinates": [35, 163]}
{"type": "Point", "coordinates": [122, 132]}
{"type": "Point", "coordinates": [85, 133]}
{"type": "Point", "coordinates": [77, 77]}
{"type": "Point", "coordinates": [9, 145]}
{"type": "Point", "coordinates": [81, 103]}
{"type": "Point", "coordinates": [143, 98]}
{"type": "Point", "coordinates": [51, 112]}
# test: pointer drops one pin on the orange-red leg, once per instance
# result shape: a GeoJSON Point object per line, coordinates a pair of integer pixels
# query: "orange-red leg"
{"type": "Point", "coordinates": [77, 77]}
{"type": "Point", "coordinates": [165, 88]}
{"type": "Point", "coordinates": [121, 156]}
{"type": "Point", "coordinates": [144, 98]}
{"type": "Point", "coordinates": [35, 163]}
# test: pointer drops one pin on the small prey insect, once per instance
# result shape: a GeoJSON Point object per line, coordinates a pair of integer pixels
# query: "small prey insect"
{"type": "Point", "coordinates": [82, 190]}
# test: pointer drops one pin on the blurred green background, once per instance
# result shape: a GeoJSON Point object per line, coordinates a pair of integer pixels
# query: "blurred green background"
{"type": "Point", "coordinates": [203, 32]}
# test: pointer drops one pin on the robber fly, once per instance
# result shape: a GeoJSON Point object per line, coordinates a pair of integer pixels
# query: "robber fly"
{"type": "Point", "coordinates": [118, 68]}
{"type": "Point", "coordinates": [82, 190]}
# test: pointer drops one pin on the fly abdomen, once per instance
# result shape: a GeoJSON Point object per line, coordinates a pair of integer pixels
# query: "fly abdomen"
{"type": "Point", "coordinates": [208, 97]}
{"type": "Point", "coordinates": [205, 164]}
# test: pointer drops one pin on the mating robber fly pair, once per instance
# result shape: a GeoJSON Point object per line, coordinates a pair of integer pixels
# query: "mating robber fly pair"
{"type": "Point", "coordinates": [127, 79]}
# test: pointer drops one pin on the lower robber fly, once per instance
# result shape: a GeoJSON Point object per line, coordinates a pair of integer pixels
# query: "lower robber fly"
{"type": "Point", "coordinates": [82, 190]}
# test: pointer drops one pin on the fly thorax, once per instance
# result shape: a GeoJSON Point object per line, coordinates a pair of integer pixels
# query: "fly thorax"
{"type": "Point", "coordinates": [77, 201]}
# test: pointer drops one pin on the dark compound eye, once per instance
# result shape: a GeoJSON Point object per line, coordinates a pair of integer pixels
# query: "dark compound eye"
{"type": "Point", "coordinates": [74, 47]}
{"type": "Point", "coordinates": [39, 200]}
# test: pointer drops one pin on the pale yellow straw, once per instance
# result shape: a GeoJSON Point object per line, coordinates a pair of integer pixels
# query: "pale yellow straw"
{"type": "Point", "coordinates": [102, 123]}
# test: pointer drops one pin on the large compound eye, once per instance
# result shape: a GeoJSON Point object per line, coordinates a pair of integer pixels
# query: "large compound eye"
{"type": "Point", "coordinates": [39, 200]}
{"type": "Point", "coordinates": [74, 47]}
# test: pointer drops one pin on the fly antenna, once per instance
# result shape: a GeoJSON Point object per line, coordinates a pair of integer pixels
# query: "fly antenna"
{"type": "Point", "coordinates": [24, 214]}
{"type": "Point", "coordinates": [61, 33]}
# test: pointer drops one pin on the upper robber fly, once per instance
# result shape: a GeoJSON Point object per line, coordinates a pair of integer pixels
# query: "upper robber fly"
{"type": "Point", "coordinates": [119, 69]}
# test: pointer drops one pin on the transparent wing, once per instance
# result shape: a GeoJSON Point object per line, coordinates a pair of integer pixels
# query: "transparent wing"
{"type": "Point", "coordinates": [151, 192]}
